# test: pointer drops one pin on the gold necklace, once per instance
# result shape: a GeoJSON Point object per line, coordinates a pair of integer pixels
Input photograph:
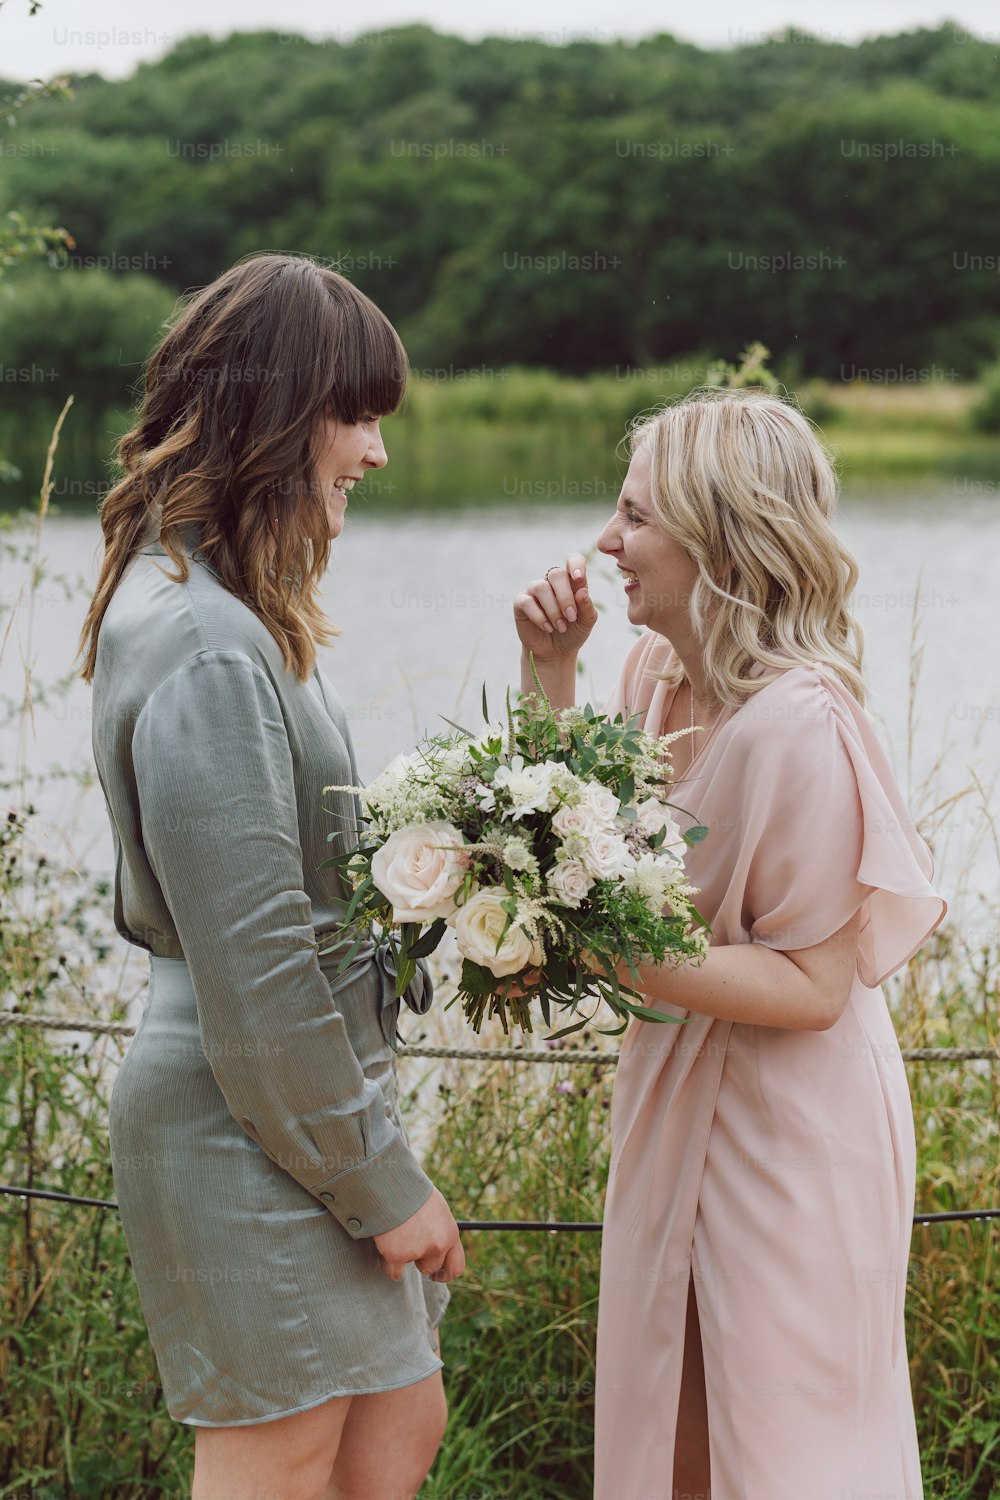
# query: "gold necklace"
{"type": "Point", "coordinates": [714, 722]}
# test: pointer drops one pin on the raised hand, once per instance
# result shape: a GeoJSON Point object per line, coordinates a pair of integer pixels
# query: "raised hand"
{"type": "Point", "coordinates": [554, 616]}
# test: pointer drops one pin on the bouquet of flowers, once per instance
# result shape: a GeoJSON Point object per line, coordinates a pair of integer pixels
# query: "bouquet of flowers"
{"type": "Point", "coordinates": [546, 844]}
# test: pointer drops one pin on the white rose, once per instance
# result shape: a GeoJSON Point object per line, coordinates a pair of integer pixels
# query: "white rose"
{"type": "Point", "coordinates": [606, 856]}
{"type": "Point", "coordinates": [603, 802]}
{"type": "Point", "coordinates": [569, 882]}
{"type": "Point", "coordinates": [654, 815]}
{"type": "Point", "coordinates": [419, 869]}
{"type": "Point", "coordinates": [478, 925]}
{"type": "Point", "coordinates": [580, 819]}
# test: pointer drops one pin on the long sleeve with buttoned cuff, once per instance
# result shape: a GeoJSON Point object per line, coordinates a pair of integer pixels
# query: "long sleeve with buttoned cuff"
{"type": "Point", "coordinates": [215, 787]}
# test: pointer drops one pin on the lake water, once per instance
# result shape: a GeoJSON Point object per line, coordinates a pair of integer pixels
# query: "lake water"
{"type": "Point", "coordinates": [424, 599]}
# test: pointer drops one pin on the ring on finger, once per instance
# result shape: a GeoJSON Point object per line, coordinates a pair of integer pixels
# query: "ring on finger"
{"type": "Point", "coordinates": [554, 568]}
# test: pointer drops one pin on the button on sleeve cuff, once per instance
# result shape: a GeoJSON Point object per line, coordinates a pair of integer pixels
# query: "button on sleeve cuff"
{"type": "Point", "coordinates": [378, 1194]}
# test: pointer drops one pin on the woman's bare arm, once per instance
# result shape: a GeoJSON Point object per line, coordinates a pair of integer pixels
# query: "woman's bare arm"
{"type": "Point", "coordinates": [803, 990]}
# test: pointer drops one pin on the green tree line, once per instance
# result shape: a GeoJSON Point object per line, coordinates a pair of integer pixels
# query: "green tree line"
{"type": "Point", "coordinates": [584, 206]}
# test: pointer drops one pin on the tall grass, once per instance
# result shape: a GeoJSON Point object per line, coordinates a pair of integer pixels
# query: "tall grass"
{"type": "Point", "coordinates": [80, 1403]}
{"type": "Point", "coordinates": [81, 1410]}
{"type": "Point", "coordinates": [518, 434]}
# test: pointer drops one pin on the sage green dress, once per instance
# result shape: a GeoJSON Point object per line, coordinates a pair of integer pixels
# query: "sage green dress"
{"type": "Point", "coordinates": [256, 1139]}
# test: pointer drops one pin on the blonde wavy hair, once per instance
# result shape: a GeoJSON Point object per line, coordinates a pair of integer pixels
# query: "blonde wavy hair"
{"type": "Point", "coordinates": [232, 397]}
{"type": "Point", "coordinates": [742, 482]}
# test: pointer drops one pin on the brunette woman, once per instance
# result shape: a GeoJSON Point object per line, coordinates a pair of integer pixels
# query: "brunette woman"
{"type": "Point", "coordinates": [290, 1253]}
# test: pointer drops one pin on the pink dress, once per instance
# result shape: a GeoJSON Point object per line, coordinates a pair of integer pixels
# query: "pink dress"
{"type": "Point", "coordinates": [774, 1167]}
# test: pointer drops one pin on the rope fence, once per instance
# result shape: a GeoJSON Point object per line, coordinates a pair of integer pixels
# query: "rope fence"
{"type": "Point", "coordinates": [15, 1019]}
{"type": "Point", "coordinates": [486, 1054]}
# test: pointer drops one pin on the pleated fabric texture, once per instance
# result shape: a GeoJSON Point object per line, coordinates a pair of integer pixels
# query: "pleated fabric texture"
{"type": "Point", "coordinates": [255, 1132]}
{"type": "Point", "coordinates": [774, 1168]}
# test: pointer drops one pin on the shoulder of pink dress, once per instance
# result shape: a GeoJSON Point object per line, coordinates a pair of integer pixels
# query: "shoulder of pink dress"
{"type": "Point", "coordinates": [819, 678]}
{"type": "Point", "coordinates": [803, 679]}
{"type": "Point", "coordinates": [792, 699]}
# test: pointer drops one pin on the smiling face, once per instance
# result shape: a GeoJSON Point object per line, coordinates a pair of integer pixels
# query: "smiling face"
{"type": "Point", "coordinates": [343, 454]}
{"type": "Point", "coordinates": [657, 573]}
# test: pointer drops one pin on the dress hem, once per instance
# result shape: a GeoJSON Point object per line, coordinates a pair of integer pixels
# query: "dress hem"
{"type": "Point", "coordinates": [272, 1416]}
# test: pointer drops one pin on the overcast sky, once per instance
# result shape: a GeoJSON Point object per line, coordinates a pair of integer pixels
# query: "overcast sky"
{"type": "Point", "coordinates": [111, 36]}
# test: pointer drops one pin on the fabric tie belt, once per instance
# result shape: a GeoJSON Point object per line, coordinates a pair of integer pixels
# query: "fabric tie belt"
{"type": "Point", "coordinates": [418, 993]}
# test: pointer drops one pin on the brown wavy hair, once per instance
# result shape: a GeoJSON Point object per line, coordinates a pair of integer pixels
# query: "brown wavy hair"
{"type": "Point", "coordinates": [230, 401]}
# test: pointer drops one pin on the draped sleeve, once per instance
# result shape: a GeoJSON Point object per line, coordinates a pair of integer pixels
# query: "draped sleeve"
{"type": "Point", "coordinates": [825, 829]}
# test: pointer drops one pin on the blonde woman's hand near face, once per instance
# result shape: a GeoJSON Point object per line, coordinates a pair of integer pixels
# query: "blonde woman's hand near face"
{"type": "Point", "coordinates": [554, 616]}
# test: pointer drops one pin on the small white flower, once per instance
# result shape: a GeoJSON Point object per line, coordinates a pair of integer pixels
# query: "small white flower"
{"type": "Point", "coordinates": [649, 879]}
{"type": "Point", "coordinates": [567, 787]}
{"type": "Point", "coordinates": [495, 731]}
{"type": "Point", "coordinates": [486, 798]}
{"type": "Point", "coordinates": [573, 718]}
{"type": "Point", "coordinates": [527, 787]}
{"type": "Point", "coordinates": [454, 762]}
{"type": "Point", "coordinates": [518, 855]}
{"type": "Point", "coordinates": [400, 767]}
{"type": "Point", "coordinates": [573, 844]}
{"type": "Point", "coordinates": [386, 785]}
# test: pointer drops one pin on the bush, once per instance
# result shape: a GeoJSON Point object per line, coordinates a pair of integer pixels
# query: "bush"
{"type": "Point", "coordinates": [985, 415]}
{"type": "Point", "coordinates": [84, 333]}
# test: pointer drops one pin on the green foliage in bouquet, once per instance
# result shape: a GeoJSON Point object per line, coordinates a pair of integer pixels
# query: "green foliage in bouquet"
{"type": "Point", "coordinates": [547, 844]}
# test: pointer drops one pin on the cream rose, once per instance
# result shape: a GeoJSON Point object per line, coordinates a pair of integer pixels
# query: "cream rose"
{"type": "Point", "coordinates": [580, 819]}
{"type": "Point", "coordinates": [569, 882]}
{"type": "Point", "coordinates": [419, 869]}
{"type": "Point", "coordinates": [478, 925]}
{"type": "Point", "coordinates": [603, 803]}
{"type": "Point", "coordinates": [606, 856]}
{"type": "Point", "coordinates": [652, 816]}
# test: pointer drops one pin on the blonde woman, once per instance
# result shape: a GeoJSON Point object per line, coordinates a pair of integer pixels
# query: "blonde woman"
{"type": "Point", "coordinates": [751, 1341]}
{"type": "Point", "coordinates": [290, 1253]}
